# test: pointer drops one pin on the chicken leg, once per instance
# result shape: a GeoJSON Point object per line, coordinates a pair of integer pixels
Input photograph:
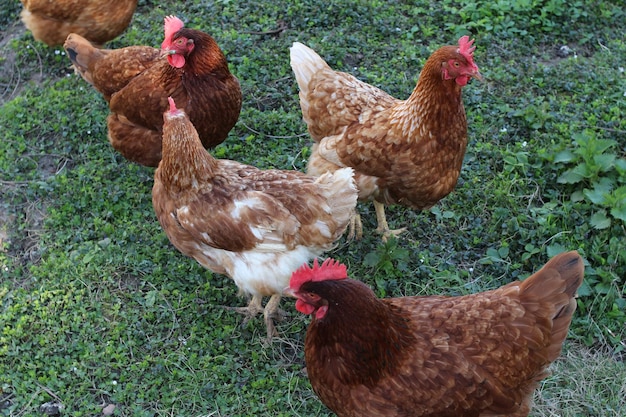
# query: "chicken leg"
{"type": "Point", "coordinates": [383, 226]}
{"type": "Point", "coordinates": [251, 311]}
{"type": "Point", "coordinates": [355, 228]}
{"type": "Point", "coordinates": [270, 312]}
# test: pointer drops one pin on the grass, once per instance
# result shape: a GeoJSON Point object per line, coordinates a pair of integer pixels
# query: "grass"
{"type": "Point", "coordinates": [98, 309]}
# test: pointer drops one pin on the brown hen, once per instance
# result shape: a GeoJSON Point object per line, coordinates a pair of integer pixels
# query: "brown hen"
{"type": "Point", "coordinates": [411, 150]}
{"type": "Point", "coordinates": [97, 20]}
{"type": "Point", "coordinates": [137, 80]}
{"type": "Point", "coordinates": [474, 355]}
{"type": "Point", "coordinates": [255, 226]}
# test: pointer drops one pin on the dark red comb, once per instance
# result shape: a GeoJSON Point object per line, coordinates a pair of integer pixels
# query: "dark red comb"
{"type": "Point", "coordinates": [466, 49]}
{"type": "Point", "coordinates": [329, 270]}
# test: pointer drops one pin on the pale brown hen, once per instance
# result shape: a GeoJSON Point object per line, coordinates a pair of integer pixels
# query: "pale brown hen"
{"type": "Point", "coordinates": [255, 226]}
{"type": "Point", "coordinates": [137, 80]}
{"type": "Point", "coordinates": [406, 152]}
{"type": "Point", "coordinates": [97, 20]}
{"type": "Point", "coordinates": [475, 355]}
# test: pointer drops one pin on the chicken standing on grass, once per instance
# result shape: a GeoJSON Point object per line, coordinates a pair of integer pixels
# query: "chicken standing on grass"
{"type": "Point", "coordinates": [97, 20]}
{"type": "Point", "coordinates": [255, 226]}
{"type": "Point", "coordinates": [406, 152]}
{"type": "Point", "coordinates": [137, 80]}
{"type": "Point", "coordinates": [474, 355]}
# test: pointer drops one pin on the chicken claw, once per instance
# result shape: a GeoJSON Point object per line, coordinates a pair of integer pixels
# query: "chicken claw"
{"type": "Point", "coordinates": [383, 226]}
{"type": "Point", "coordinates": [271, 312]}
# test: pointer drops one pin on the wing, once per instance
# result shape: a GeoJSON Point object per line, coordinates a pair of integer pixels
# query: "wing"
{"type": "Point", "coordinates": [250, 221]}
{"type": "Point", "coordinates": [144, 98]}
{"type": "Point", "coordinates": [118, 67]}
{"type": "Point", "coordinates": [473, 353]}
{"type": "Point", "coordinates": [251, 209]}
{"type": "Point", "coordinates": [337, 99]}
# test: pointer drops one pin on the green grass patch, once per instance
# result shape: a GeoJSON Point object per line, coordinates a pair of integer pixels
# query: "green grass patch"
{"type": "Point", "coordinates": [98, 308]}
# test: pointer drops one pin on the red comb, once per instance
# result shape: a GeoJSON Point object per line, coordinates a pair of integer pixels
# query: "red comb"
{"type": "Point", "coordinates": [466, 49]}
{"type": "Point", "coordinates": [329, 270]}
{"type": "Point", "coordinates": [171, 26]}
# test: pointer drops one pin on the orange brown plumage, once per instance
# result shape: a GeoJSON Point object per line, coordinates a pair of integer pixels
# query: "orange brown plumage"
{"type": "Point", "coordinates": [137, 80]}
{"type": "Point", "coordinates": [97, 20]}
{"type": "Point", "coordinates": [475, 355]}
{"type": "Point", "coordinates": [255, 226]}
{"type": "Point", "coordinates": [412, 148]}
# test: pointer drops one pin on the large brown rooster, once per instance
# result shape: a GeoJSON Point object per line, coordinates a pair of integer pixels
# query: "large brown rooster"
{"type": "Point", "coordinates": [137, 80]}
{"type": "Point", "coordinates": [97, 20]}
{"type": "Point", "coordinates": [255, 226]}
{"type": "Point", "coordinates": [405, 152]}
{"type": "Point", "coordinates": [475, 355]}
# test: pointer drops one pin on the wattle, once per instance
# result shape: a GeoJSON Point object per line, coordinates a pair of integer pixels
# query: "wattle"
{"type": "Point", "coordinates": [175, 60]}
{"type": "Point", "coordinates": [303, 307]}
{"type": "Point", "coordinates": [462, 80]}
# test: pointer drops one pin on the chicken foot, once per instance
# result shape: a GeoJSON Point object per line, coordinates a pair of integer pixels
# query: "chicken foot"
{"type": "Point", "coordinates": [253, 309]}
{"type": "Point", "coordinates": [383, 226]}
{"type": "Point", "coordinates": [355, 228]}
{"type": "Point", "coordinates": [270, 312]}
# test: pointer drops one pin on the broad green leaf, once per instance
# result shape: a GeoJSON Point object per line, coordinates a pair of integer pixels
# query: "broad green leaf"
{"type": "Point", "coordinates": [602, 145]}
{"type": "Point", "coordinates": [599, 220]}
{"type": "Point", "coordinates": [577, 196]}
{"type": "Point", "coordinates": [555, 249]}
{"type": "Point", "coordinates": [619, 212]}
{"type": "Point", "coordinates": [564, 156]}
{"type": "Point", "coordinates": [584, 290]}
{"type": "Point", "coordinates": [595, 196]}
{"type": "Point", "coordinates": [605, 161]}
{"type": "Point", "coordinates": [620, 166]}
{"type": "Point", "coordinates": [574, 175]}
{"type": "Point", "coordinates": [600, 191]}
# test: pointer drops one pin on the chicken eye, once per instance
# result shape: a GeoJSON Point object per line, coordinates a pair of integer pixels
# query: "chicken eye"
{"type": "Point", "coordinates": [312, 296]}
{"type": "Point", "coordinates": [456, 64]}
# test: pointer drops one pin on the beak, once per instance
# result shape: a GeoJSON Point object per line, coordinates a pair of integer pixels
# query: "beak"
{"type": "Point", "coordinates": [476, 75]}
{"type": "Point", "coordinates": [167, 52]}
{"type": "Point", "coordinates": [289, 292]}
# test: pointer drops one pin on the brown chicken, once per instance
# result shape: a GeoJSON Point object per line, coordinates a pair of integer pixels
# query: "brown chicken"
{"type": "Point", "coordinates": [474, 355]}
{"type": "Point", "coordinates": [97, 20]}
{"type": "Point", "coordinates": [255, 226]}
{"type": "Point", "coordinates": [137, 80]}
{"type": "Point", "coordinates": [403, 152]}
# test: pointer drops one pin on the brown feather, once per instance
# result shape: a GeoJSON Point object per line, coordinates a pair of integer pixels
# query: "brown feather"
{"type": "Point", "coordinates": [255, 226]}
{"type": "Point", "coordinates": [136, 82]}
{"type": "Point", "coordinates": [480, 354]}
{"type": "Point", "coordinates": [407, 152]}
{"type": "Point", "coordinates": [97, 20]}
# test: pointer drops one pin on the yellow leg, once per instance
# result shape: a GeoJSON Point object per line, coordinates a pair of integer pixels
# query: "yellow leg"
{"type": "Point", "coordinates": [355, 229]}
{"type": "Point", "coordinates": [383, 226]}
{"type": "Point", "coordinates": [270, 313]}
{"type": "Point", "coordinates": [253, 309]}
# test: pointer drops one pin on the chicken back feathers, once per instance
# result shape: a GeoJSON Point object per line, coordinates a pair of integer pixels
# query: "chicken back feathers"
{"type": "Point", "coordinates": [137, 80]}
{"type": "Point", "coordinates": [256, 226]}
{"type": "Point", "coordinates": [475, 355]}
{"type": "Point", "coordinates": [413, 148]}
{"type": "Point", "coordinates": [97, 20]}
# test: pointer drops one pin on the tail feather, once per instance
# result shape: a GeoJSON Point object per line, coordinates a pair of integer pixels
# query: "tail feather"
{"type": "Point", "coordinates": [82, 54]}
{"type": "Point", "coordinates": [305, 62]}
{"type": "Point", "coordinates": [550, 294]}
{"type": "Point", "coordinates": [341, 194]}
